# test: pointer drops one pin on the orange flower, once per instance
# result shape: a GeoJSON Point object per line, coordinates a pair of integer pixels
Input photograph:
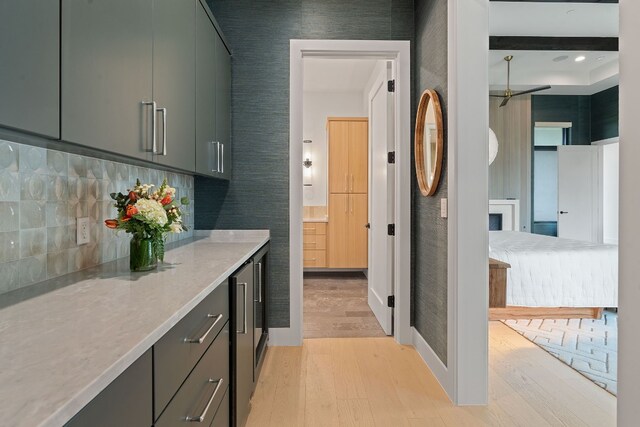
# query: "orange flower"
{"type": "Point", "coordinates": [111, 223]}
{"type": "Point", "coordinates": [131, 211]}
{"type": "Point", "coordinates": [133, 196]}
{"type": "Point", "coordinates": [165, 201]}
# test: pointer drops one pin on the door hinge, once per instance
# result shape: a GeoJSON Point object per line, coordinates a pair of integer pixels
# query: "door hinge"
{"type": "Point", "coordinates": [391, 229]}
{"type": "Point", "coordinates": [391, 157]}
{"type": "Point", "coordinates": [391, 301]}
{"type": "Point", "coordinates": [391, 86]}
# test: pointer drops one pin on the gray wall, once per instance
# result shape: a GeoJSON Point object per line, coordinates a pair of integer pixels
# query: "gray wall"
{"type": "Point", "coordinates": [429, 241]}
{"type": "Point", "coordinates": [258, 33]}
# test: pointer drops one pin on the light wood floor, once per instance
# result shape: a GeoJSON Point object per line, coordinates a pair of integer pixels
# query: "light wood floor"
{"type": "Point", "coordinates": [375, 382]}
{"type": "Point", "coordinates": [335, 306]}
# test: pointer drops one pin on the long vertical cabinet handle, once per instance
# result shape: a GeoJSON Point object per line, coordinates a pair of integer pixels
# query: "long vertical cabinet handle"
{"type": "Point", "coordinates": [244, 296]}
{"type": "Point", "coordinates": [260, 282]}
{"type": "Point", "coordinates": [218, 144]}
{"type": "Point", "coordinates": [352, 183]}
{"type": "Point", "coordinates": [346, 182]}
{"type": "Point", "coordinates": [222, 156]}
{"type": "Point", "coordinates": [164, 132]}
{"type": "Point", "coordinates": [153, 124]}
{"type": "Point", "coordinates": [351, 204]}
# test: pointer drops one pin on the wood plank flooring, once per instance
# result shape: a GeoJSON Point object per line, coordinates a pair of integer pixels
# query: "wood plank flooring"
{"type": "Point", "coordinates": [335, 306]}
{"type": "Point", "coordinates": [376, 382]}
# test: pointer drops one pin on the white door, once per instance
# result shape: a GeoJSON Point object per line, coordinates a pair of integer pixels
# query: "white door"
{"type": "Point", "coordinates": [578, 187]}
{"type": "Point", "coordinates": [381, 184]}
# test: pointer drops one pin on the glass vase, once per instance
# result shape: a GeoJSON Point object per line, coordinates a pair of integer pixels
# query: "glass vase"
{"type": "Point", "coordinates": [142, 254]}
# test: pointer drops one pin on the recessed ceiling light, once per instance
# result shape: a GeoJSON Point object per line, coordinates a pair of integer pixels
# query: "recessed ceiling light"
{"type": "Point", "coordinates": [580, 58]}
{"type": "Point", "coordinates": [560, 58]}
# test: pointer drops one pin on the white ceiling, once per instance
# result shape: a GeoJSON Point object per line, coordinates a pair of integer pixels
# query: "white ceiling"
{"type": "Point", "coordinates": [337, 75]}
{"type": "Point", "coordinates": [553, 19]}
{"type": "Point", "coordinates": [597, 72]}
{"type": "Point", "coordinates": [537, 68]}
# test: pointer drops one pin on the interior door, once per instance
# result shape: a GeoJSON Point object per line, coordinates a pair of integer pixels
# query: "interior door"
{"type": "Point", "coordinates": [338, 231]}
{"type": "Point", "coordinates": [578, 183]}
{"type": "Point", "coordinates": [358, 157]}
{"type": "Point", "coordinates": [381, 200]}
{"type": "Point", "coordinates": [338, 156]}
{"type": "Point", "coordinates": [358, 239]}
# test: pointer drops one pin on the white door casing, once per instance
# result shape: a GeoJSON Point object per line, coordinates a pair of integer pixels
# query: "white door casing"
{"type": "Point", "coordinates": [578, 192]}
{"type": "Point", "coordinates": [381, 211]}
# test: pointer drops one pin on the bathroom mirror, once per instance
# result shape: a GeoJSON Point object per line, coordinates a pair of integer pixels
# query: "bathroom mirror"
{"type": "Point", "coordinates": [428, 142]}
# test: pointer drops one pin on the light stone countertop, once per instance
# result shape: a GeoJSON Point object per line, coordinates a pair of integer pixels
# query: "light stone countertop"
{"type": "Point", "coordinates": [60, 349]}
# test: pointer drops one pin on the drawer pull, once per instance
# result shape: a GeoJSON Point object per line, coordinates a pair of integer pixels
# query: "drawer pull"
{"type": "Point", "coordinates": [311, 259]}
{"type": "Point", "coordinates": [308, 229]}
{"type": "Point", "coordinates": [244, 298]}
{"type": "Point", "coordinates": [200, 418]}
{"type": "Point", "coordinates": [204, 336]}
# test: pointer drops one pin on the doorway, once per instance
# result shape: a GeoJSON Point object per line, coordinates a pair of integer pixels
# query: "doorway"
{"type": "Point", "coordinates": [396, 52]}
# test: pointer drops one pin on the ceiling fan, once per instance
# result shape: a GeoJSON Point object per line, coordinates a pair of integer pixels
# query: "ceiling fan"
{"type": "Point", "coordinates": [508, 93]}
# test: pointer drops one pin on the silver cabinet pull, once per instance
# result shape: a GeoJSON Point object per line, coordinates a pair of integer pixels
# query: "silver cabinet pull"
{"type": "Point", "coordinates": [200, 418]}
{"type": "Point", "coordinates": [222, 156]}
{"type": "Point", "coordinates": [204, 336]}
{"type": "Point", "coordinates": [310, 259]}
{"type": "Point", "coordinates": [352, 183]}
{"type": "Point", "coordinates": [153, 124]}
{"type": "Point", "coordinates": [260, 282]}
{"type": "Point", "coordinates": [218, 144]}
{"type": "Point", "coordinates": [346, 182]}
{"type": "Point", "coordinates": [164, 132]}
{"type": "Point", "coordinates": [244, 296]}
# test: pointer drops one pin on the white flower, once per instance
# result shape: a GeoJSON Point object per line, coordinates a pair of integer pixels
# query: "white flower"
{"type": "Point", "coordinates": [152, 211]}
{"type": "Point", "coordinates": [176, 227]}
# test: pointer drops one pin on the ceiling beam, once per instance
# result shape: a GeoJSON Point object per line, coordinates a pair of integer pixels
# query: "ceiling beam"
{"type": "Point", "coordinates": [601, 44]}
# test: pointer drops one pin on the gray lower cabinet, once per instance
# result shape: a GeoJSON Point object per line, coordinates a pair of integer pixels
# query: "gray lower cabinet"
{"type": "Point", "coordinates": [242, 349]}
{"type": "Point", "coordinates": [174, 81]}
{"type": "Point", "coordinates": [126, 402]}
{"type": "Point", "coordinates": [30, 66]}
{"type": "Point", "coordinates": [107, 64]}
{"type": "Point", "coordinates": [213, 100]}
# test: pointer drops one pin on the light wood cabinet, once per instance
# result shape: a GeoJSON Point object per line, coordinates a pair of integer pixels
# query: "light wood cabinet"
{"type": "Point", "coordinates": [347, 240]}
{"type": "Point", "coordinates": [348, 155]}
{"type": "Point", "coordinates": [314, 240]}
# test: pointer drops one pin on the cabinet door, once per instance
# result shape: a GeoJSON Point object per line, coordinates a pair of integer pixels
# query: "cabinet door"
{"type": "Point", "coordinates": [357, 236]}
{"type": "Point", "coordinates": [243, 282]}
{"type": "Point", "coordinates": [107, 48]}
{"type": "Point", "coordinates": [174, 81]}
{"type": "Point", "coordinates": [338, 156]}
{"type": "Point", "coordinates": [223, 105]}
{"type": "Point", "coordinates": [338, 255]}
{"type": "Point", "coordinates": [358, 157]}
{"type": "Point", "coordinates": [126, 402]}
{"type": "Point", "coordinates": [30, 66]}
{"type": "Point", "coordinates": [207, 149]}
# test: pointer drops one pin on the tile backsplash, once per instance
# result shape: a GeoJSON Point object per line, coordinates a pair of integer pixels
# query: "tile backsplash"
{"type": "Point", "coordinates": [42, 192]}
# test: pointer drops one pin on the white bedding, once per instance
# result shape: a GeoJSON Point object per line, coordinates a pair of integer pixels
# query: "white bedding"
{"type": "Point", "coordinates": [553, 272]}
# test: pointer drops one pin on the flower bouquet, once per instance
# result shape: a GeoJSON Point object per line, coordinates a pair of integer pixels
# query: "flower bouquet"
{"type": "Point", "coordinates": [148, 216]}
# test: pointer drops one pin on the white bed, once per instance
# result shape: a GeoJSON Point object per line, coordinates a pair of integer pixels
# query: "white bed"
{"type": "Point", "coordinates": [553, 272]}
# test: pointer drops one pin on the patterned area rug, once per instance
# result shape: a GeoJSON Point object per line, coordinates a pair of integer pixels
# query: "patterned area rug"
{"type": "Point", "coordinates": [588, 346]}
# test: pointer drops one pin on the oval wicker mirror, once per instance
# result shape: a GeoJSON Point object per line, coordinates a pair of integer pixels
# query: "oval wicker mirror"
{"type": "Point", "coordinates": [429, 142]}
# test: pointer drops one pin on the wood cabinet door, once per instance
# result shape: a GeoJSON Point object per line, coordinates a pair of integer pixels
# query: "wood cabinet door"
{"type": "Point", "coordinates": [357, 236]}
{"type": "Point", "coordinates": [338, 253]}
{"type": "Point", "coordinates": [223, 106]}
{"type": "Point", "coordinates": [174, 81]}
{"type": "Point", "coordinates": [338, 156]}
{"type": "Point", "coordinates": [358, 157]}
{"type": "Point", "coordinates": [106, 75]}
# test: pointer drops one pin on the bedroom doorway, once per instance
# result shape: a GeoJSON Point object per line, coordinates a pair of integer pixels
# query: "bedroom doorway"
{"type": "Point", "coordinates": [554, 273]}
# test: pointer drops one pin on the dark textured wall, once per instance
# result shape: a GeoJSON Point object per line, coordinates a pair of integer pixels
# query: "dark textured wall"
{"type": "Point", "coordinates": [429, 234]}
{"type": "Point", "coordinates": [258, 32]}
{"type": "Point", "coordinates": [605, 114]}
{"type": "Point", "coordinates": [565, 108]}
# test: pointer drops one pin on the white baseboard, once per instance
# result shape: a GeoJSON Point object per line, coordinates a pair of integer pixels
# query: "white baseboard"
{"type": "Point", "coordinates": [284, 337]}
{"type": "Point", "coordinates": [440, 371]}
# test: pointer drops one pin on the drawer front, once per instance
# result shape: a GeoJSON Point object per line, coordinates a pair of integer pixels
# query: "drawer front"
{"type": "Point", "coordinates": [125, 402]}
{"type": "Point", "coordinates": [174, 357]}
{"type": "Point", "coordinates": [203, 391]}
{"type": "Point", "coordinates": [315, 241]}
{"type": "Point", "coordinates": [222, 418]}
{"type": "Point", "coordinates": [316, 259]}
{"type": "Point", "coordinates": [314, 228]}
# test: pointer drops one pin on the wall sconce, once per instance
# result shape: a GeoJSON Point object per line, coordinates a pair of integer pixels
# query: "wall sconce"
{"type": "Point", "coordinates": [307, 163]}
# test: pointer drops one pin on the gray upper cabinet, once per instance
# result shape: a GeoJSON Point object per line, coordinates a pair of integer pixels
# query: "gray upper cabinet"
{"type": "Point", "coordinates": [30, 66]}
{"type": "Point", "coordinates": [213, 100]}
{"type": "Point", "coordinates": [107, 49]}
{"type": "Point", "coordinates": [174, 81]}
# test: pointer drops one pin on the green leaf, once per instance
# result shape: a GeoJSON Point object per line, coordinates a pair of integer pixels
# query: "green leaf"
{"type": "Point", "coordinates": [184, 200]}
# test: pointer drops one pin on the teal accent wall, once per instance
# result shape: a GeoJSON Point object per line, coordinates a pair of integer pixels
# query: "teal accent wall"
{"type": "Point", "coordinates": [565, 108]}
{"type": "Point", "coordinates": [605, 114]}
